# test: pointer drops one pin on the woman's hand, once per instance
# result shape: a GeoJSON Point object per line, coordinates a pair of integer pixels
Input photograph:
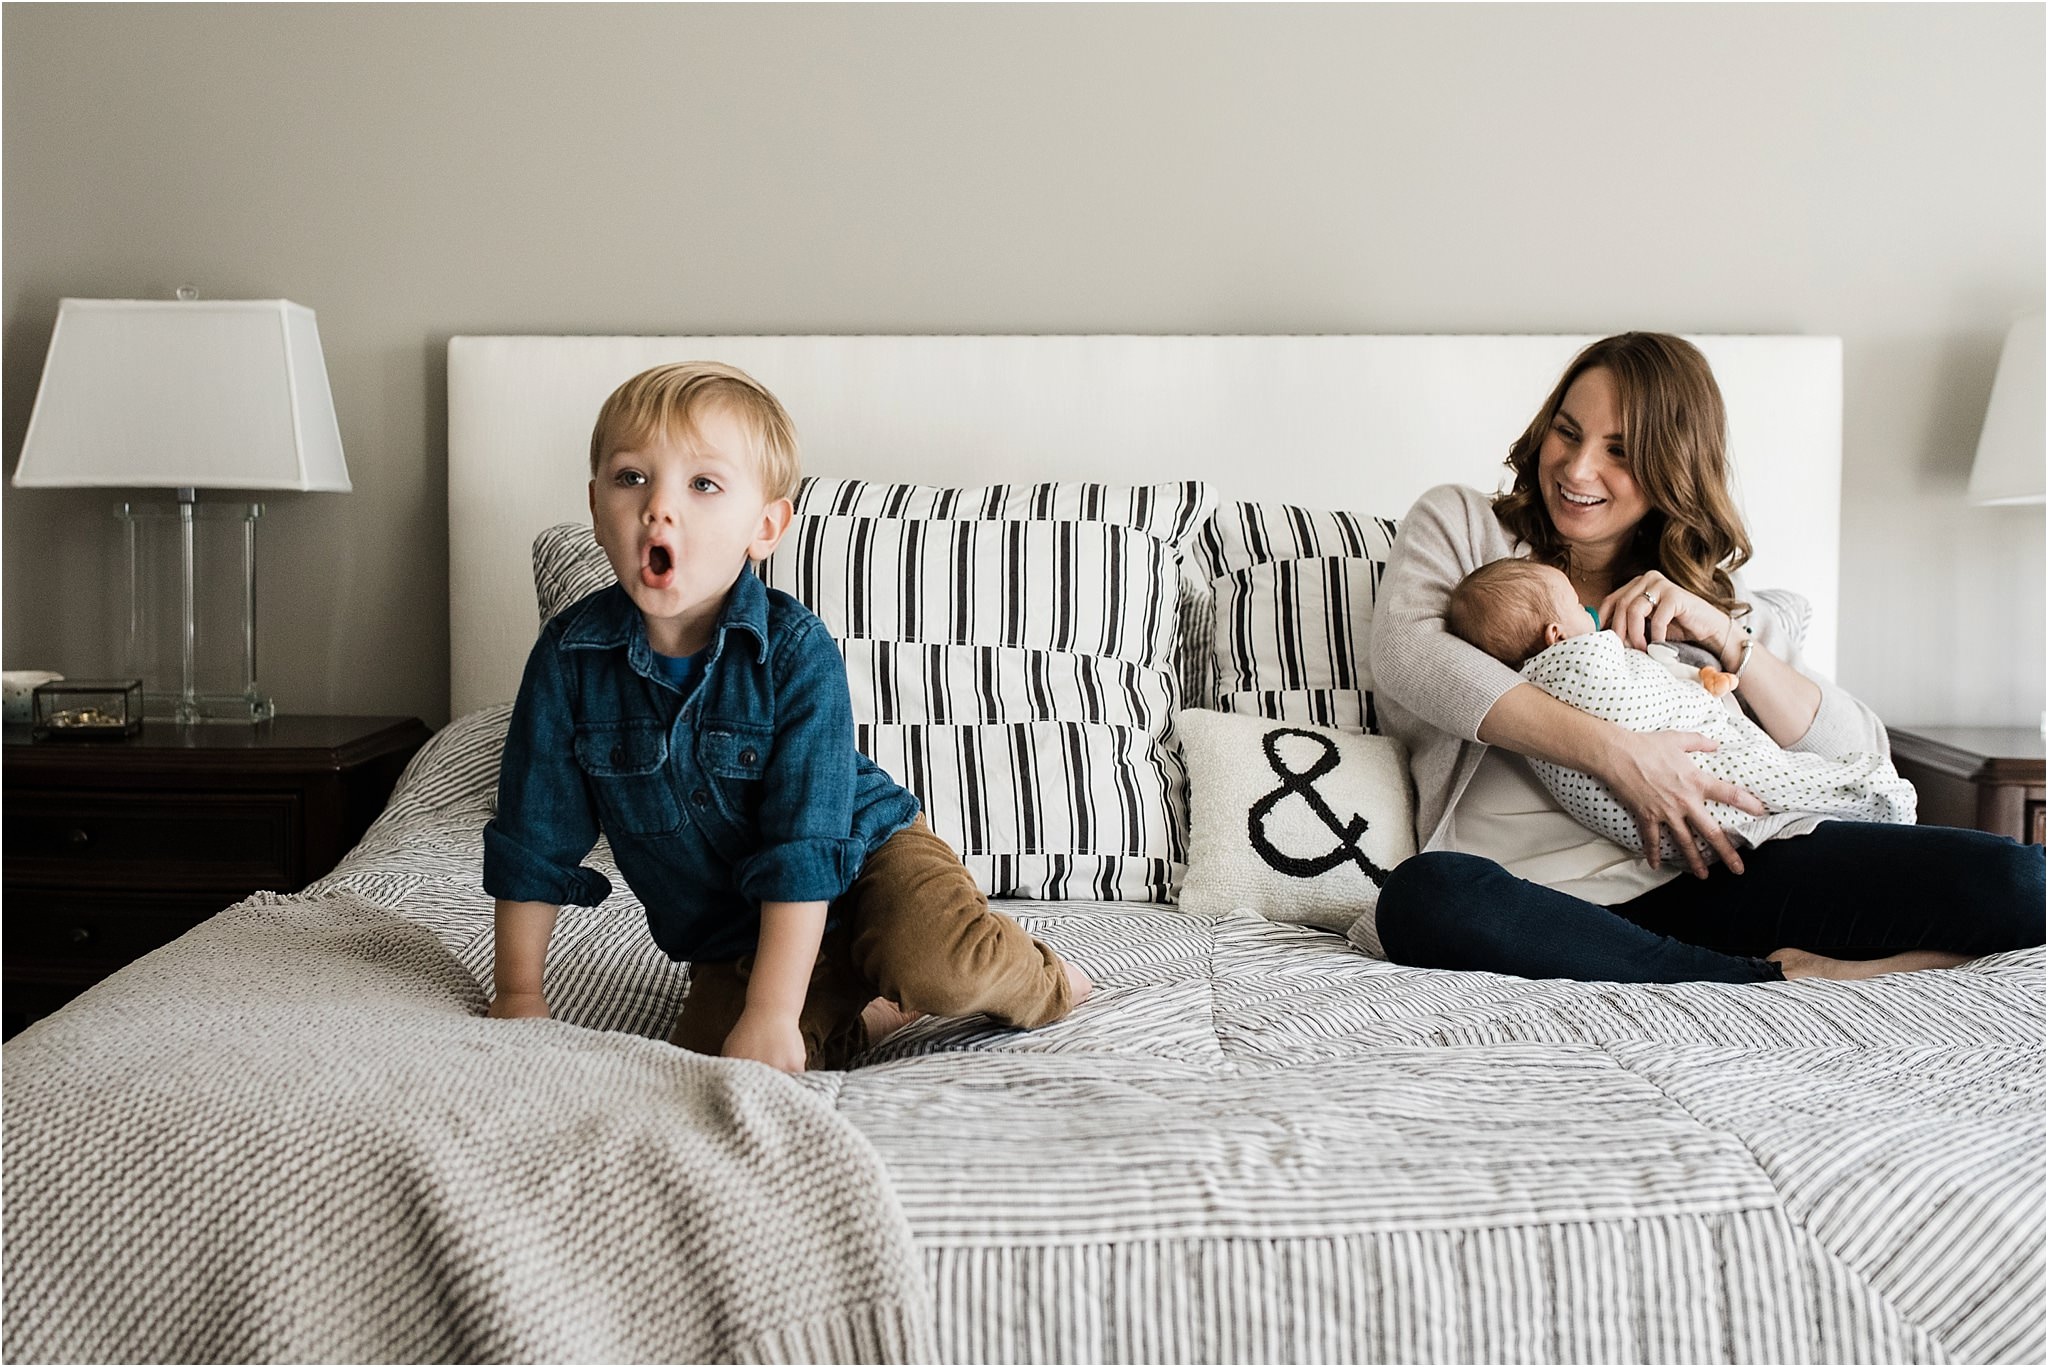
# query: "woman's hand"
{"type": "Point", "coordinates": [1652, 774]}
{"type": "Point", "coordinates": [1650, 608]}
{"type": "Point", "coordinates": [769, 1037]}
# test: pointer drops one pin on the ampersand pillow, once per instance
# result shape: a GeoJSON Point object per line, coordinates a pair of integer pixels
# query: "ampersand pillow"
{"type": "Point", "coordinates": [1297, 823]}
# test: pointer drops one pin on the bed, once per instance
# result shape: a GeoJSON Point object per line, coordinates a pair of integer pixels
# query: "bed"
{"type": "Point", "coordinates": [288, 1136]}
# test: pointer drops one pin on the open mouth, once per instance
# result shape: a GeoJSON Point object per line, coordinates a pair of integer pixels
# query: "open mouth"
{"type": "Point", "coordinates": [1579, 500]}
{"type": "Point", "coordinates": [659, 571]}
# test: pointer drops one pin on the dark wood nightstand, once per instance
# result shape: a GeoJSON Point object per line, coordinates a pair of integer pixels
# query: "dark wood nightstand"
{"type": "Point", "coordinates": [1988, 778]}
{"type": "Point", "coordinates": [116, 847]}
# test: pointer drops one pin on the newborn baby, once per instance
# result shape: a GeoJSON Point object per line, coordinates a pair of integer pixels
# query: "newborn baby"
{"type": "Point", "coordinates": [1526, 616]}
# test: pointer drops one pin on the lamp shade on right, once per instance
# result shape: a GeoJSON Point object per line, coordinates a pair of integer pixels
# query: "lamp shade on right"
{"type": "Point", "coordinates": [2012, 451]}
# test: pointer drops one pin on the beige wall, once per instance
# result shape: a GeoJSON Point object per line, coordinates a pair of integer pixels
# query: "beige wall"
{"type": "Point", "coordinates": [412, 172]}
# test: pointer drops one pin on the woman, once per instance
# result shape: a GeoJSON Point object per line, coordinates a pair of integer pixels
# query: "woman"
{"type": "Point", "coordinates": [1621, 482]}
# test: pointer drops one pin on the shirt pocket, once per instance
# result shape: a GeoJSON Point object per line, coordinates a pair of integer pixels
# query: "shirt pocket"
{"type": "Point", "coordinates": [627, 763]}
{"type": "Point", "coordinates": [734, 751]}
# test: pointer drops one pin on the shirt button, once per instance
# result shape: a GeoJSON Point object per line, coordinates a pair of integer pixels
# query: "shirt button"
{"type": "Point", "coordinates": [700, 797]}
{"type": "Point", "coordinates": [747, 756]}
{"type": "Point", "coordinates": [618, 754]}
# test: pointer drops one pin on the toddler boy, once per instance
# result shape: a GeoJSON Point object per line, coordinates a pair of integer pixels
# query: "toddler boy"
{"type": "Point", "coordinates": [1527, 616]}
{"type": "Point", "coordinates": [700, 720]}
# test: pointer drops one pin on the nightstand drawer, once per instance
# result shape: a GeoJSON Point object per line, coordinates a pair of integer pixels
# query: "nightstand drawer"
{"type": "Point", "coordinates": [155, 840]}
{"type": "Point", "coordinates": [63, 935]}
{"type": "Point", "coordinates": [118, 847]}
{"type": "Point", "coordinates": [1980, 777]}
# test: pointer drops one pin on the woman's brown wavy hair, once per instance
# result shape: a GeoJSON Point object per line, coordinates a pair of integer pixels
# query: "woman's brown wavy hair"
{"type": "Point", "coordinates": [1675, 431]}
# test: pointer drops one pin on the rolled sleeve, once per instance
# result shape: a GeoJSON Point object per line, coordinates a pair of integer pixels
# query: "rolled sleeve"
{"type": "Point", "coordinates": [546, 823]}
{"type": "Point", "coordinates": [806, 851]}
{"type": "Point", "coordinates": [514, 873]}
{"type": "Point", "coordinates": [1842, 726]}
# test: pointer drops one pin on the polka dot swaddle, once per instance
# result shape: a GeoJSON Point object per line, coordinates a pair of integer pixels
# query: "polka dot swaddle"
{"type": "Point", "coordinates": [1598, 673]}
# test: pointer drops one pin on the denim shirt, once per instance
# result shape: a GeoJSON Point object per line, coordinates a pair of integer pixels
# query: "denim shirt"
{"type": "Point", "coordinates": [748, 790]}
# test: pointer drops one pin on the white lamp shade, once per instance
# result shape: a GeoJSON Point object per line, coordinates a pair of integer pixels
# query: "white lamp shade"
{"type": "Point", "coordinates": [2012, 450]}
{"type": "Point", "coordinates": [215, 394]}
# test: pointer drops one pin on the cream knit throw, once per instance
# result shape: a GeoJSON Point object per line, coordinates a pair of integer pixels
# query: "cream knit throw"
{"type": "Point", "coordinates": [295, 1132]}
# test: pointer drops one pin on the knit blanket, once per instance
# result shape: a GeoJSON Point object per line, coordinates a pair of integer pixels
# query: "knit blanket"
{"type": "Point", "coordinates": [291, 1136]}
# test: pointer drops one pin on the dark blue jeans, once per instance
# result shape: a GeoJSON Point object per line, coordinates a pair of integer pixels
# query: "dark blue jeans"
{"type": "Point", "coordinates": [1849, 890]}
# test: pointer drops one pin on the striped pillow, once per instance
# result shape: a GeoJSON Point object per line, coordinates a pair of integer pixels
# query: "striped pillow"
{"type": "Point", "coordinates": [1011, 655]}
{"type": "Point", "coordinates": [1292, 592]}
{"type": "Point", "coordinates": [567, 566]}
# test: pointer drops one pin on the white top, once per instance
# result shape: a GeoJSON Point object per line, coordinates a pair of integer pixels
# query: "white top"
{"type": "Point", "coordinates": [1505, 815]}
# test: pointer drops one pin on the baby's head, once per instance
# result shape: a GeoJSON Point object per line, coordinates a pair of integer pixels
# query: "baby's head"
{"type": "Point", "coordinates": [667, 402]}
{"type": "Point", "coordinates": [1512, 609]}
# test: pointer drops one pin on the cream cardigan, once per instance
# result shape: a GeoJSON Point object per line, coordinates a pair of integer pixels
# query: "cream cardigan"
{"type": "Point", "coordinates": [1431, 690]}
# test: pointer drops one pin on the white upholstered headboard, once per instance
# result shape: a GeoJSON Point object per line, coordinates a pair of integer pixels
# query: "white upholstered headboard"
{"type": "Point", "coordinates": [1364, 423]}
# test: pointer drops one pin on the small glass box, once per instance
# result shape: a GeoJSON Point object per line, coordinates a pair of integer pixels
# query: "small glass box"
{"type": "Point", "coordinates": [88, 709]}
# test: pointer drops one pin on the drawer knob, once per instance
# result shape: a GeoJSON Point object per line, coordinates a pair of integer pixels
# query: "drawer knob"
{"type": "Point", "coordinates": [81, 935]}
{"type": "Point", "coordinates": [78, 837]}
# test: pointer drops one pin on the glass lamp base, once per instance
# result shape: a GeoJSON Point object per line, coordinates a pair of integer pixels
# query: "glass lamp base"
{"type": "Point", "coordinates": [192, 609]}
{"type": "Point", "coordinates": [207, 707]}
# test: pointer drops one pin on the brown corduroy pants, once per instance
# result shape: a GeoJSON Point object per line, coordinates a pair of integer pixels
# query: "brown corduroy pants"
{"type": "Point", "coordinates": [913, 928]}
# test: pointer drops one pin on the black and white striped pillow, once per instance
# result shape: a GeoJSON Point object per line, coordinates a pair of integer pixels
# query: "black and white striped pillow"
{"type": "Point", "coordinates": [568, 566]}
{"type": "Point", "coordinates": [1011, 655]}
{"type": "Point", "coordinates": [1292, 593]}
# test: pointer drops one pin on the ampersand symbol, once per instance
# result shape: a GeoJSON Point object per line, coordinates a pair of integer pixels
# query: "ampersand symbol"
{"type": "Point", "coordinates": [1302, 784]}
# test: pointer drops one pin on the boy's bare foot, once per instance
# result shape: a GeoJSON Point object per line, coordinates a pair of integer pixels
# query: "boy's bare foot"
{"type": "Point", "coordinates": [884, 1018]}
{"type": "Point", "coordinates": [1078, 986]}
{"type": "Point", "coordinates": [1797, 963]}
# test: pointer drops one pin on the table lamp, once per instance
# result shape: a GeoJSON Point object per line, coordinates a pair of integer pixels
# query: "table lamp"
{"type": "Point", "coordinates": [187, 395]}
{"type": "Point", "coordinates": [2012, 451]}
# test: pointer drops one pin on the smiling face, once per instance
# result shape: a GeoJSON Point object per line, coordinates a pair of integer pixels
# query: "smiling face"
{"type": "Point", "coordinates": [1583, 470]}
{"type": "Point", "coordinates": [679, 516]}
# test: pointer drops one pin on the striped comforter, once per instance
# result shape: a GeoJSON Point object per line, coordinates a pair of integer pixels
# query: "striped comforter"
{"type": "Point", "coordinates": [1254, 1143]}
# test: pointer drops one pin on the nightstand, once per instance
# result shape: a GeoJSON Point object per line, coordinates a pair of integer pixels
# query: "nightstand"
{"type": "Point", "coordinates": [1988, 778]}
{"type": "Point", "coordinates": [116, 847]}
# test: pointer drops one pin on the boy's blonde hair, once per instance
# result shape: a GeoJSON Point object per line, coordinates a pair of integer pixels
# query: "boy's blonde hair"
{"type": "Point", "coordinates": [1501, 608]}
{"type": "Point", "coordinates": [664, 403]}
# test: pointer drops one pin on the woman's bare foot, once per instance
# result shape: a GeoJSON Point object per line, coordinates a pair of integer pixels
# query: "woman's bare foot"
{"type": "Point", "coordinates": [1078, 986]}
{"type": "Point", "coordinates": [884, 1018]}
{"type": "Point", "coordinates": [1797, 963]}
